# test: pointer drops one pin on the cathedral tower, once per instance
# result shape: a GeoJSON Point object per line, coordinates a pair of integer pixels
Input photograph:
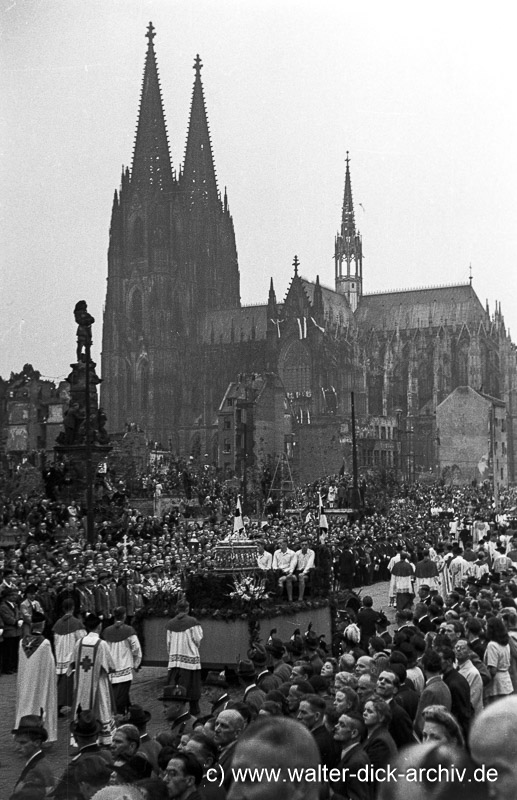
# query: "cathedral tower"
{"type": "Point", "coordinates": [348, 249]}
{"type": "Point", "coordinates": [171, 258]}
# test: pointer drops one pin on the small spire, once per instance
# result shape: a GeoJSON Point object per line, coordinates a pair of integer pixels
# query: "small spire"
{"type": "Point", "coordinates": [470, 274]}
{"type": "Point", "coordinates": [198, 65]}
{"type": "Point", "coordinates": [296, 264]}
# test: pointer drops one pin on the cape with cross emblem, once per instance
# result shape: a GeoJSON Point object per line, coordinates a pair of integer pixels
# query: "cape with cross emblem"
{"type": "Point", "coordinates": [91, 659]}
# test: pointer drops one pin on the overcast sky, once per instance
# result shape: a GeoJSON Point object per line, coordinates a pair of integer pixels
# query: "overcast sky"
{"type": "Point", "coordinates": [422, 95]}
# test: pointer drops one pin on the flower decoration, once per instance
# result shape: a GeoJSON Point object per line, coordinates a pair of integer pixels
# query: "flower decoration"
{"type": "Point", "coordinates": [248, 588]}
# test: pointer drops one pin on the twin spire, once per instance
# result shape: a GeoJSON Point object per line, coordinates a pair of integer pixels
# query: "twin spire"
{"type": "Point", "coordinates": [151, 155]}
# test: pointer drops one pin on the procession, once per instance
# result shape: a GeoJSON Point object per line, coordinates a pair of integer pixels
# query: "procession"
{"type": "Point", "coordinates": [432, 661]}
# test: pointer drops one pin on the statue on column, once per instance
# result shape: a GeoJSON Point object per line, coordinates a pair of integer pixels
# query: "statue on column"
{"type": "Point", "coordinates": [84, 327]}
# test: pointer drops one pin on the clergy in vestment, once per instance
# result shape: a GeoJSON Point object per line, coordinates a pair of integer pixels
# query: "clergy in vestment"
{"type": "Point", "coordinates": [93, 664]}
{"type": "Point", "coordinates": [184, 635]}
{"type": "Point", "coordinates": [127, 655]}
{"type": "Point", "coordinates": [36, 685]}
{"type": "Point", "coordinates": [402, 574]}
{"type": "Point", "coordinates": [67, 631]}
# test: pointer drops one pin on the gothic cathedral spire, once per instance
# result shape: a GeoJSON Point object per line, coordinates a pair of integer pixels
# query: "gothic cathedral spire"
{"type": "Point", "coordinates": [151, 158]}
{"type": "Point", "coordinates": [199, 178]}
{"type": "Point", "coordinates": [348, 250]}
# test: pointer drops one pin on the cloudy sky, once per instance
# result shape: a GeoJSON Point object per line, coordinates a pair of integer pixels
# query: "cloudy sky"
{"type": "Point", "coordinates": [421, 95]}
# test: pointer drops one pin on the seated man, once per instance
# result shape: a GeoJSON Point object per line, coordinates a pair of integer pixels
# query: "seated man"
{"type": "Point", "coordinates": [284, 561]}
{"type": "Point", "coordinates": [304, 564]}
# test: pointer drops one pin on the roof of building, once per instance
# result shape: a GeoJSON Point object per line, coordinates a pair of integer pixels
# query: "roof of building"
{"type": "Point", "coordinates": [247, 323]}
{"type": "Point", "coordinates": [335, 305]}
{"type": "Point", "coordinates": [420, 308]}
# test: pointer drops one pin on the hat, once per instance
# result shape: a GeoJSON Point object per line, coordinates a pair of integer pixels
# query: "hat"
{"type": "Point", "coordinates": [246, 668]}
{"type": "Point", "coordinates": [31, 724]}
{"type": "Point", "coordinates": [258, 655]}
{"type": "Point", "coordinates": [174, 694]}
{"type": "Point", "coordinates": [311, 640]}
{"type": "Point", "coordinates": [295, 645]}
{"type": "Point", "coordinates": [38, 617]}
{"type": "Point", "coordinates": [137, 716]}
{"type": "Point", "coordinates": [275, 646]}
{"type": "Point", "coordinates": [216, 679]}
{"type": "Point", "coordinates": [135, 768]}
{"type": "Point", "coordinates": [86, 724]}
{"type": "Point", "coordinates": [104, 574]}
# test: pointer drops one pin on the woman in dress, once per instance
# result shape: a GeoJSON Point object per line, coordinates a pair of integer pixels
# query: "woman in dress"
{"type": "Point", "coordinates": [497, 659]}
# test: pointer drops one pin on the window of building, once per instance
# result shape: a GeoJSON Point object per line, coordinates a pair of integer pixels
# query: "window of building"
{"type": "Point", "coordinates": [227, 446]}
{"type": "Point", "coordinates": [383, 432]}
{"type": "Point", "coordinates": [227, 423]}
{"type": "Point", "coordinates": [229, 401]}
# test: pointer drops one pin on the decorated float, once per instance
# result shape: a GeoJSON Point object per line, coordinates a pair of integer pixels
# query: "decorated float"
{"type": "Point", "coordinates": [238, 605]}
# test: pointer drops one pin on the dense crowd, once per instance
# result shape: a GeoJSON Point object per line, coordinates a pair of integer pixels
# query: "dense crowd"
{"type": "Point", "coordinates": [442, 681]}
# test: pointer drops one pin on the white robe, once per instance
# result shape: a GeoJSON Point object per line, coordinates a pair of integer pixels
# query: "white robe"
{"type": "Point", "coordinates": [36, 686]}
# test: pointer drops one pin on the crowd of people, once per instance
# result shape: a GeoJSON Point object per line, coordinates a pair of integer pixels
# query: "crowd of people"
{"type": "Point", "coordinates": [441, 681]}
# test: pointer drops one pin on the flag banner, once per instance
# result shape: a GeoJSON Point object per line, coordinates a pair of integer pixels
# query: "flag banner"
{"type": "Point", "coordinates": [238, 524]}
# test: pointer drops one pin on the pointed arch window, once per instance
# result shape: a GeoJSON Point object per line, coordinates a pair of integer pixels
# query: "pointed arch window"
{"type": "Point", "coordinates": [295, 368]}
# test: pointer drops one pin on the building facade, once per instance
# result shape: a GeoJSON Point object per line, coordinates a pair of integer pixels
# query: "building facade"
{"type": "Point", "coordinates": [176, 336]}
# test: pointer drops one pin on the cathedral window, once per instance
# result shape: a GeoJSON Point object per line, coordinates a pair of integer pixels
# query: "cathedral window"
{"type": "Point", "coordinates": [295, 368]}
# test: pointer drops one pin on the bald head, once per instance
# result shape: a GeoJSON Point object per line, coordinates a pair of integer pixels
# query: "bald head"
{"type": "Point", "coordinates": [276, 742]}
{"type": "Point", "coordinates": [492, 743]}
{"type": "Point", "coordinates": [228, 725]}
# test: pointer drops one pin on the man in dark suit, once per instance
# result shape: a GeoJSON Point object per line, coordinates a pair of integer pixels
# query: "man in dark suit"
{"type": "Point", "coordinates": [28, 738]}
{"type": "Point", "coordinates": [459, 688]}
{"type": "Point", "coordinates": [348, 733]}
{"type": "Point", "coordinates": [311, 713]}
{"type": "Point", "coordinates": [367, 619]}
{"type": "Point", "coordinates": [400, 727]}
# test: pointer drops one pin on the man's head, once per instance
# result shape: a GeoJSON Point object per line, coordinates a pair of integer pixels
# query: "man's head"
{"type": "Point", "coordinates": [492, 743]}
{"type": "Point", "coordinates": [203, 748]}
{"type": "Point", "coordinates": [431, 664]}
{"type": "Point", "coordinates": [182, 775]}
{"type": "Point", "coordinates": [268, 743]}
{"type": "Point", "coordinates": [91, 773]}
{"type": "Point", "coordinates": [350, 729]}
{"type": "Point", "coordinates": [125, 742]}
{"type": "Point", "coordinates": [345, 700]}
{"type": "Point", "coordinates": [228, 726]}
{"type": "Point", "coordinates": [175, 702]}
{"type": "Point", "coordinates": [311, 711]}
{"type": "Point", "coordinates": [387, 684]}
{"type": "Point", "coordinates": [462, 651]}
{"type": "Point", "coordinates": [365, 666]}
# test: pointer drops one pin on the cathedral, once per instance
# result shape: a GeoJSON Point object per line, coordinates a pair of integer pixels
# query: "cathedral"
{"type": "Point", "coordinates": [176, 337]}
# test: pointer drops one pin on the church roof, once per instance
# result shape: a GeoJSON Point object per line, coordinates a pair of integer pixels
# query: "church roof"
{"type": "Point", "coordinates": [420, 308]}
{"type": "Point", "coordinates": [336, 307]}
{"type": "Point", "coordinates": [247, 323]}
